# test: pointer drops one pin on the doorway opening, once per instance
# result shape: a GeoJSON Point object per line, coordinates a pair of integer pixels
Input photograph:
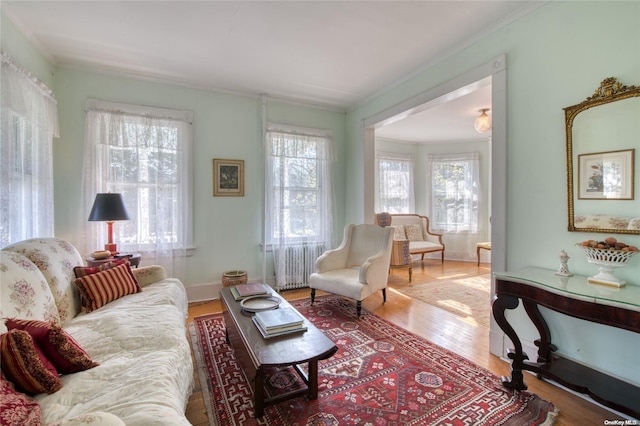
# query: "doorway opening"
{"type": "Point", "coordinates": [493, 73]}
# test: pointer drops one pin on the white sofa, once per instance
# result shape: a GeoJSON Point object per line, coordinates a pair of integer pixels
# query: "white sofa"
{"type": "Point", "coordinates": [145, 372]}
{"type": "Point", "coordinates": [415, 228]}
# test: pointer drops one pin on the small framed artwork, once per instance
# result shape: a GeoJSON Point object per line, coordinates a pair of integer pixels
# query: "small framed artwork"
{"type": "Point", "coordinates": [606, 175]}
{"type": "Point", "coordinates": [228, 178]}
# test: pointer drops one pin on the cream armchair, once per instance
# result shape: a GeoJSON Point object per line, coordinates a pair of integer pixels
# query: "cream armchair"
{"type": "Point", "coordinates": [358, 267]}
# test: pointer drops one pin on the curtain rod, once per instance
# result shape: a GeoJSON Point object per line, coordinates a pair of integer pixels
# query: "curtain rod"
{"type": "Point", "coordinates": [38, 84]}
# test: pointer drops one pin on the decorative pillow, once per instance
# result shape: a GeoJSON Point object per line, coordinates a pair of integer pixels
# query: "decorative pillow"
{"type": "Point", "coordinates": [149, 274]}
{"type": "Point", "coordinates": [103, 287]}
{"type": "Point", "coordinates": [24, 364]}
{"type": "Point", "coordinates": [83, 271]}
{"type": "Point", "coordinates": [398, 232]}
{"type": "Point", "coordinates": [16, 408]}
{"type": "Point", "coordinates": [57, 345]}
{"type": "Point", "coordinates": [414, 232]}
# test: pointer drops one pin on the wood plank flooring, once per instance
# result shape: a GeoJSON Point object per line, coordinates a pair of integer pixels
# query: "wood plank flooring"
{"type": "Point", "coordinates": [440, 327]}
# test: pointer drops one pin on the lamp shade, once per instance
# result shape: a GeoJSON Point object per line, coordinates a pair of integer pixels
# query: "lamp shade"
{"type": "Point", "coordinates": [108, 207]}
{"type": "Point", "coordinates": [483, 122]}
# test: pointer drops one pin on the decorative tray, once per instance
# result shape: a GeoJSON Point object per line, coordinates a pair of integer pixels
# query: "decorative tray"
{"type": "Point", "coordinates": [260, 303]}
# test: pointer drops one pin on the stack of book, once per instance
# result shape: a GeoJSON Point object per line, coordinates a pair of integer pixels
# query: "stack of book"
{"type": "Point", "coordinates": [278, 322]}
{"type": "Point", "coordinates": [242, 291]}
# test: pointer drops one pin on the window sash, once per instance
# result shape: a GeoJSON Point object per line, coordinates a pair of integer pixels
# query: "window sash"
{"type": "Point", "coordinates": [454, 183]}
{"type": "Point", "coordinates": [394, 184]}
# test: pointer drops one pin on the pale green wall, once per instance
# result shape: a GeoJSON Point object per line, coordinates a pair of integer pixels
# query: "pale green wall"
{"type": "Point", "coordinates": [556, 57]}
{"type": "Point", "coordinates": [227, 230]}
{"type": "Point", "coordinates": [24, 52]}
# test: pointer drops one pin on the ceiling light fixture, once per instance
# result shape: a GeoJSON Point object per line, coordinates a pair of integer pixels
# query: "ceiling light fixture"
{"type": "Point", "coordinates": [483, 122]}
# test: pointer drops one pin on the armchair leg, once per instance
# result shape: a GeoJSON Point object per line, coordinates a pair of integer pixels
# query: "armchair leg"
{"type": "Point", "coordinates": [313, 295]}
{"type": "Point", "coordinates": [443, 257]}
{"type": "Point", "coordinates": [359, 307]}
{"type": "Point", "coordinates": [384, 296]}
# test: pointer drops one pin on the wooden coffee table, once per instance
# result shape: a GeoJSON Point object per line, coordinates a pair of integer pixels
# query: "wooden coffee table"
{"type": "Point", "coordinates": [254, 353]}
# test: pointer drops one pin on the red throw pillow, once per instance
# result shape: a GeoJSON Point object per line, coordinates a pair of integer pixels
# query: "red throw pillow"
{"type": "Point", "coordinates": [57, 345]}
{"type": "Point", "coordinates": [103, 287]}
{"type": "Point", "coordinates": [83, 271]}
{"type": "Point", "coordinates": [16, 408]}
{"type": "Point", "coordinates": [24, 364]}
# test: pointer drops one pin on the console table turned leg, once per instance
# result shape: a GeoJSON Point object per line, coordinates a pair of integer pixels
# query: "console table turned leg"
{"type": "Point", "coordinates": [500, 304]}
{"type": "Point", "coordinates": [545, 347]}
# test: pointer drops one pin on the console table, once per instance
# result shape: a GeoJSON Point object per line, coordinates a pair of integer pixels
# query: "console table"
{"type": "Point", "coordinates": [576, 297]}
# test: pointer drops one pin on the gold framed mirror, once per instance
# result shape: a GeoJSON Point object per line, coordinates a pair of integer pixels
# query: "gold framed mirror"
{"type": "Point", "coordinates": [603, 140]}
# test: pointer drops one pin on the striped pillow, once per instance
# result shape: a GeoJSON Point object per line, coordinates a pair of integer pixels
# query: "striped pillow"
{"type": "Point", "coordinates": [103, 287]}
{"type": "Point", "coordinates": [24, 364]}
{"type": "Point", "coordinates": [57, 345]}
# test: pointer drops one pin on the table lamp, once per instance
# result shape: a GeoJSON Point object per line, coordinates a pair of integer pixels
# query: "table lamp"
{"type": "Point", "coordinates": [109, 208]}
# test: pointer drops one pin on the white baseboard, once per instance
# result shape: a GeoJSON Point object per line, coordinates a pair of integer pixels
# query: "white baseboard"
{"type": "Point", "coordinates": [210, 291]}
{"type": "Point", "coordinates": [203, 292]}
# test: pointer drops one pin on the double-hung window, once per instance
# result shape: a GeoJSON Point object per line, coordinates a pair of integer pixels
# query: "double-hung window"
{"type": "Point", "coordinates": [299, 199]}
{"type": "Point", "coordinates": [29, 124]}
{"type": "Point", "coordinates": [454, 186]}
{"type": "Point", "coordinates": [394, 184]}
{"type": "Point", "coordinates": [143, 153]}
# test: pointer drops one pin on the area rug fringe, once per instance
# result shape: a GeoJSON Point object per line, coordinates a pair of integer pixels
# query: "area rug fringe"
{"type": "Point", "coordinates": [462, 407]}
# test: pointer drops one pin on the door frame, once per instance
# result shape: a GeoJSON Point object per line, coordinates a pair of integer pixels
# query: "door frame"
{"type": "Point", "coordinates": [496, 68]}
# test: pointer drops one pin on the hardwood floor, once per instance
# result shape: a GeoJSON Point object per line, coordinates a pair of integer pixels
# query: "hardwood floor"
{"type": "Point", "coordinates": [440, 327]}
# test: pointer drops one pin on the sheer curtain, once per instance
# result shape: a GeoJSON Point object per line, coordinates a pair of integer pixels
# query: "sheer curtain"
{"type": "Point", "coordinates": [299, 200]}
{"type": "Point", "coordinates": [455, 201]}
{"type": "Point", "coordinates": [394, 191]}
{"type": "Point", "coordinates": [29, 124]}
{"type": "Point", "coordinates": [143, 153]}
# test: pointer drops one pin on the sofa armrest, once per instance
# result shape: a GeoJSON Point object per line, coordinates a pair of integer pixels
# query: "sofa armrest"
{"type": "Point", "coordinates": [429, 235]}
{"type": "Point", "coordinates": [97, 418]}
{"type": "Point", "coordinates": [149, 274]}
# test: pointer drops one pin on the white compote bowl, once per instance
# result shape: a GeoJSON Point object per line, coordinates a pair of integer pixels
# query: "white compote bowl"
{"type": "Point", "coordinates": [608, 260]}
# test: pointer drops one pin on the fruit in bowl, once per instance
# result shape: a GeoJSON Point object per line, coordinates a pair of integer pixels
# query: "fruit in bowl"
{"type": "Point", "coordinates": [609, 243]}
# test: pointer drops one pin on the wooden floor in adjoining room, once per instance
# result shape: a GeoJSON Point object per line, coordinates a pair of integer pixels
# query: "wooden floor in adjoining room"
{"type": "Point", "coordinates": [440, 327]}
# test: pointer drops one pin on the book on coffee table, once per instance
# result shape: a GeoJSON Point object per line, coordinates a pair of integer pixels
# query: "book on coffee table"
{"type": "Point", "coordinates": [296, 328]}
{"type": "Point", "coordinates": [242, 291]}
{"type": "Point", "coordinates": [278, 319]}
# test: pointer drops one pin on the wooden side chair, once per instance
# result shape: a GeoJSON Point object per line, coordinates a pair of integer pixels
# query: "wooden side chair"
{"type": "Point", "coordinates": [482, 246]}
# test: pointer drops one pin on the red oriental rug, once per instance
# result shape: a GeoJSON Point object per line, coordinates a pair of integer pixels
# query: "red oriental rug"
{"type": "Point", "coordinates": [381, 375]}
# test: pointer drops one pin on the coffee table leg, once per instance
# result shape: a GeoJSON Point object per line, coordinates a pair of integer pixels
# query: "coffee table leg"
{"type": "Point", "coordinates": [313, 380]}
{"type": "Point", "coordinates": [258, 394]}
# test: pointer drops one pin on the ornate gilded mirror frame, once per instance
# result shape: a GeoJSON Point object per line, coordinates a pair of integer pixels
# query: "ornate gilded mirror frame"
{"type": "Point", "coordinates": [610, 90]}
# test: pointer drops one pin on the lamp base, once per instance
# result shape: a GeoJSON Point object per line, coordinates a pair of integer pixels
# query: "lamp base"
{"type": "Point", "coordinates": [112, 248]}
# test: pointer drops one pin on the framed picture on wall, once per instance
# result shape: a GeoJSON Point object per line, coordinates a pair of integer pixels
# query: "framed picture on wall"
{"type": "Point", "coordinates": [606, 175]}
{"type": "Point", "coordinates": [228, 178]}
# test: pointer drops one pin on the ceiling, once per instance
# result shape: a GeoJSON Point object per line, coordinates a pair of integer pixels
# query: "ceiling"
{"type": "Point", "coordinates": [333, 54]}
